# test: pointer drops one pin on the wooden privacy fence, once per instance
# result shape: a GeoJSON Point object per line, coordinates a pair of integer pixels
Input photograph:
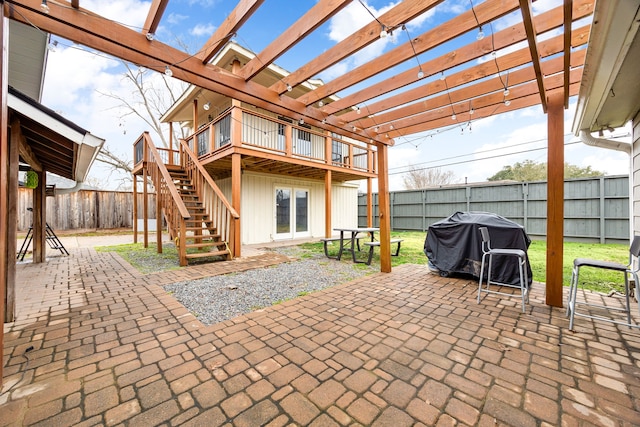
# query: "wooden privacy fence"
{"type": "Point", "coordinates": [85, 209]}
{"type": "Point", "coordinates": [595, 209]}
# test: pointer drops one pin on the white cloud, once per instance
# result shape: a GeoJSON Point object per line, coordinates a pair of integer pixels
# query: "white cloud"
{"type": "Point", "coordinates": [176, 18]}
{"type": "Point", "coordinates": [202, 30]}
{"type": "Point", "coordinates": [132, 13]}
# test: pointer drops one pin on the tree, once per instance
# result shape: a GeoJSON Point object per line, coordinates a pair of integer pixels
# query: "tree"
{"type": "Point", "coordinates": [417, 178]}
{"type": "Point", "coordinates": [151, 95]}
{"type": "Point", "coordinates": [532, 171]}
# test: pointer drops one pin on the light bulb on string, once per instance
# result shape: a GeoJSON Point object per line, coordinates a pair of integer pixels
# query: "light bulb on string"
{"type": "Point", "coordinates": [44, 7]}
{"type": "Point", "coordinates": [167, 71]}
{"type": "Point", "coordinates": [420, 73]}
{"type": "Point", "coordinates": [480, 35]}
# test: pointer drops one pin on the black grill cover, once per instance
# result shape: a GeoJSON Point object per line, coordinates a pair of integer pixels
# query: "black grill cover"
{"type": "Point", "coordinates": [454, 245]}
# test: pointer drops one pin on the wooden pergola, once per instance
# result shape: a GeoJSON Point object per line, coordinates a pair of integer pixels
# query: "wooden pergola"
{"type": "Point", "coordinates": [537, 61]}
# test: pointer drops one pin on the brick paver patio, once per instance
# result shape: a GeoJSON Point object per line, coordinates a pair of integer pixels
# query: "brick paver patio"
{"type": "Point", "coordinates": [111, 347]}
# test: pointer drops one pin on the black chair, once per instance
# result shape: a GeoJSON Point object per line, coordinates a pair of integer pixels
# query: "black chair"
{"type": "Point", "coordinates": [630, 269]}
{"type": "Point", "coordinates": [489, 252]}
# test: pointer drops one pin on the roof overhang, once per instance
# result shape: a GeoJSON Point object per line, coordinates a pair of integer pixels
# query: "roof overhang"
{"type": "Point", "coordinates": [61, 146]}
{"type": "Point", "coordinates": [610, 89]}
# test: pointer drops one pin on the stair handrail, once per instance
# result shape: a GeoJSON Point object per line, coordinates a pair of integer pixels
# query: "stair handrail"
{"type": "Point", "coordinates": [173, 190]}
{"type": "Point", "coordinates": [192, 158]}
{"type": "Point", "coordinates": [208, 178]}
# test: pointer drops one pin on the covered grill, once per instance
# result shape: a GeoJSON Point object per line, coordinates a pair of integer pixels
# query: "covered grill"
{"type": "Point", "coordinates": [454, 245]}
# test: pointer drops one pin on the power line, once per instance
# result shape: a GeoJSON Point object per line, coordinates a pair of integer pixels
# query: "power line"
{"type": "Point", "coordinates": [484, 158]}
{"type": "Point", "coordinates": [477, 152]}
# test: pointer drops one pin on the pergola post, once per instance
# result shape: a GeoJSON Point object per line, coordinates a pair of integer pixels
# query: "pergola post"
{"type": "Point", "coordinates": [4, 159]}
{"type": "Point", "coordinates": [555, 197]}
{"type": "Point", "coordinates": [383, 209]}
{"type": "Point", "coordinates": [369, 202]}
{"type": "Point", "coordinates": [236, 196]}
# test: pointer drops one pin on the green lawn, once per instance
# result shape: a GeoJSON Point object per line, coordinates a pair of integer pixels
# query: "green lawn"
{"type": "Point", "coordinates": [594, 279]}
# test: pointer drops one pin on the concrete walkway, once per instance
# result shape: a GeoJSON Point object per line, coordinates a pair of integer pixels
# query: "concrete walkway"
{"type": "Point", "coordinates": [408, 348]}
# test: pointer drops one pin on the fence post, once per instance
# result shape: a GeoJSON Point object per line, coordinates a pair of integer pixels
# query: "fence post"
{"type": "Point", "coordinates": [525, 205]}
{"type": "Point", "coordinates": [468, 196]}
{"type": "Point", "coordinates": [424, 210]}
{"type": "Point", "coordinates": [602, 212]}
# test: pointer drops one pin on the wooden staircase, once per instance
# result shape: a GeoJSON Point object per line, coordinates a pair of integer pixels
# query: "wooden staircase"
{"type": "Point", "coordinates": [201, 238]}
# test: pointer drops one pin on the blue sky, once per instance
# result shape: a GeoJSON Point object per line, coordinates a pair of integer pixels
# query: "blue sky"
{"type": "Point", "coordinates": [76, 81]}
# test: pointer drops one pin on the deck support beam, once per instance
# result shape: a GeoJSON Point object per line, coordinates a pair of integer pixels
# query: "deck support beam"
{"type": "Point", "coordinates": [327, 204]}
{"type": "Point", "coordinates": [236, 194]}
{"type": "Point", "coordinates": [555, 197]}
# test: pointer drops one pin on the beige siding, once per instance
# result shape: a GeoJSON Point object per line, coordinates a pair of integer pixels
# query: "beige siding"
{"type": "Point", "coordinates": [344, 206]}
{"type": "Point", "coordinates": [258, 206]}
{"type": "Point", "coordinates": [636, 175]}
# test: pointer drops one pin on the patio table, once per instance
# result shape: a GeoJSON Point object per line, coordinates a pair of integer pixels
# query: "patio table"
{"type": "Point", "coordinates": [349, 243]}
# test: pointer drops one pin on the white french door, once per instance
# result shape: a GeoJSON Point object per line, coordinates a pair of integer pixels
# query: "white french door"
{"type": "Point", "coordinates": [292, 213]}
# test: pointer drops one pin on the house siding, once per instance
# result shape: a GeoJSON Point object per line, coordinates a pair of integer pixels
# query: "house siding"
{"type": "Point", "coordinates": [636, 175]}
{"type": "Point", "coordinates": [258, 206]}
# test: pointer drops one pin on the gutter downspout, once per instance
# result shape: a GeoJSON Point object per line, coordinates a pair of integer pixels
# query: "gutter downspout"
{"type": "Point", "coordinates": [69, 190]}
{"type": "Point", "coordinates": [587, 138]}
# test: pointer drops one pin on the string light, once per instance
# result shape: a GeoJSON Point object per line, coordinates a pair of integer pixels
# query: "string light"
{"type": "Point", "coordinates": [324, 121]}
{"type": "Point", "coordinates": [376, 129]}
{"type": "Point", "coordinates": [358, 110]}
{"type": "Point", "coordinates": [453, 116]}
{"type": "Point", "coordinates": [320, 103]}
{"type": "Point", "coordinates": [442, 76]}
{"type": "Point", "coordinates": [391, 127]}
{"type": "Point", "coordinates": [507, 102]}
{"type": "Point", "coordinates": [150, 36]}
{"type": "Point", "coordinates": [383, 32]}
{"type": "Point", "coordinates": [506, 92]}
{"type": "Point", "coordinates": [168, 72]}
{"type": "Point", "coordinates": [44, 6]}
{"type": "Point", "coordinates": [301, 121]}
{"type": "Point", "coordinates": [206, 106]}
{"type": "Point", "coordinates": [289, 88]}
{"type": "Point", "coordinates": [480, 35]}
{"type": "Point", "coordinates": [420, 73]}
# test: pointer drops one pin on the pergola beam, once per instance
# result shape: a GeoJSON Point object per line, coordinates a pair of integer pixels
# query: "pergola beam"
{"type": "Point", "coordinates": [463, 117]}
{"type": "Point", "coordinates": [505, 38]}
{"type": "Point", "coordinates": [443, 33]}
{"type": "Point", "coordinates": [527, 19]}
{"type": "Point", "coordinates": [232, 23]}
{"type": "Point", "coordinates": [109, 37]}
{"type": "Point", "coordinates": [403, 12]}
{"type": "Point", "coordinates": [568, 18]}
{"type": "Point", "coordinates": [462, 78]}
{"type": "Point", "coordinates": [154, 16]}
{"type": "Point", "coordinates": [316, 16]}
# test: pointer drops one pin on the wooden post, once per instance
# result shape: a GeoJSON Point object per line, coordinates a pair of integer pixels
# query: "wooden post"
{"type": "Point", "coordinates": [158, 216]}
{"type": "Point", "coordinates": [4, 159]}
{"type": "Point", "coordinates": [12, 217]}
{"type": "Point", "coordinates": [327, 204]}
{"type": "Point", "coordinates": [555, 198]}
{"type": "Point", "coordinates": [236, 195]}
{"type": "Point", "coordinates": [145, 203]}
{"type": "Point", "coordinates": [40, 219]}
{"type": "Point", "coordinates": [383, 209]}
{"type": "Point", "coordinates": [369, 202]}
{"type": "Point", "coordinates": [135, 208]}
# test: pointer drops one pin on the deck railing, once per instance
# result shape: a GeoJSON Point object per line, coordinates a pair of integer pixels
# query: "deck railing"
{"type": "Point", "coordinates": [282, 137]}
{"type": "Point", "coordinates": [174, 209]}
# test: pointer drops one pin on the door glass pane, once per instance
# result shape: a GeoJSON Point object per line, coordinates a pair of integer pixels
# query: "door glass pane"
{"type": "Point", "coordinates": [302, 216]}
{"type": "Point", "coordinates": [283, 210]}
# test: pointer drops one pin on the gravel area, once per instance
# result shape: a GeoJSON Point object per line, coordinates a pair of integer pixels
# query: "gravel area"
{"type": "Point", "coordinates": [219, 298]}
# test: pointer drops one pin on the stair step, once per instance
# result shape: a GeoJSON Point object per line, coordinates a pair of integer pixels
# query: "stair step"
{"type": "Point", "coordinates": [208, 254]}
{"type": "Point", "coordinates": [219, 243]}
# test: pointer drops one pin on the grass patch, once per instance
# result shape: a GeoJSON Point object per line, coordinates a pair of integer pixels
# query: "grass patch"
{"type": "Point", "coordinates": [146, 260]}
{"type": "Point", "coordinates": [411, 252]}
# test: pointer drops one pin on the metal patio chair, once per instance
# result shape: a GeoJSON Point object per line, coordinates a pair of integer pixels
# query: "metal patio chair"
{"type": "Point", "coordinates": [489, 252]}
{"type": "Point", "coordinates": [628, 270]}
